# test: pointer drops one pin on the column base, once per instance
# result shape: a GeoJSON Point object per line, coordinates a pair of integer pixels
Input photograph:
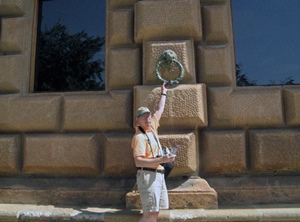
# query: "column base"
{"type": "Point", "coordinates": [184, 193]}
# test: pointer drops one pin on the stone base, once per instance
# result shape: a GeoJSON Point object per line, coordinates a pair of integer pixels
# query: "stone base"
{"type": "Point", "coordinates": [190, 193]}
{"type": "Point", "coordinates": [65, 191]}
{"type": "Point", "coordinates": [272, 189]}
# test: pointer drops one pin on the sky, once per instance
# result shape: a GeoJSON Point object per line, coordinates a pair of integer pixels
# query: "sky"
{"type": "Point", "coordinates": [267, 39]}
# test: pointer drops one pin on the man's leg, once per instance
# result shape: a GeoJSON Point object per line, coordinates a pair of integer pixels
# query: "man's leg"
{"type": "Point", "coordinates": [149, 217]}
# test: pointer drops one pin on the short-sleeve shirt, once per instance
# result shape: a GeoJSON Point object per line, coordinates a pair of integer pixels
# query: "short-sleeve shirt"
{"type": "Point", "coordinates": [141, 146]}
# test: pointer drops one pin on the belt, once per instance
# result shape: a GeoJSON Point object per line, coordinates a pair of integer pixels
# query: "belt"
{"type": "Point", "coordinates": [162, 171]}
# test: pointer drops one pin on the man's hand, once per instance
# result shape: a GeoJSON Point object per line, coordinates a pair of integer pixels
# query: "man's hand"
{"type": "Point", "coordinates": [167, 158]}
{"type": "Point", "coordinates": [161, 104]}
{"type": "Point", "coordinates": [164, 89]}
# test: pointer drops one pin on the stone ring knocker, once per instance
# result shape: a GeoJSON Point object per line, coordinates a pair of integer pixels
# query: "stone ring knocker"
{"type": "Point", "coordinates": [169, 58]}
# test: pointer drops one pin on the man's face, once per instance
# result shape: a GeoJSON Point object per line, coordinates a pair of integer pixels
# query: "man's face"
{"type": "Point", "coordinates": [145, 121]}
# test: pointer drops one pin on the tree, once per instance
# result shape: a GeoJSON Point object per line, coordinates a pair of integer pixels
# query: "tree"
{"type": "Point", "coordinates": [65, 62]}
{"type": "Point", "coordinates": [242, 79]}
{"type": "Point", "coordinates": [288, 81]}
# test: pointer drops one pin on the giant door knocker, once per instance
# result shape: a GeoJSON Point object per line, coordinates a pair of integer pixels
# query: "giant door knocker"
{"type": "Point", "coordinates": [169, 59]}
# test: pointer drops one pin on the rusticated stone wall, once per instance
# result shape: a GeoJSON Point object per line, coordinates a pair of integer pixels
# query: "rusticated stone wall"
{"type": "Point", "coordinates": [253, 137]}
{"type": "Point", "coordinates": [75, 147]}
{"type": "Point", "coordinates": [15, 46]}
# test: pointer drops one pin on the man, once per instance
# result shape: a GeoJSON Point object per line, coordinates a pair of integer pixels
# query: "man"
{"type": "Point", "coordinates": [148, 157]}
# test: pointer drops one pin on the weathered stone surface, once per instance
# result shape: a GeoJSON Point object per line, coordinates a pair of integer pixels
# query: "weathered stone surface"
{"type": "Point", "coordinates": [172, 21]}
{"type": "Point", "coordinates": [185, 105]}
{"type": "Point", "coordinates": [118, 155]}
{"type": "Point", "coordinates": [13, 30]}
{"type": "Point", "coordinates": [275, 150]}
{"type": "Point", "coordinates": [11, 7]}
{"type": "Point", "coordinates": [245, 107]}
{"type": "Point", "coordinates": [30, 113]}
{"type": "Point", "coordinates": [9, 48]}
{"type": "Point", "coordinates": [88, 191]}
{"type": "Point", "coordinates": [10, 153]}
{"type": "Point", "coordinates": [223, 152]}
{"type": "Point", "coordinates": [121, 3]}
{"type": "Point", "coordinates": [11, 73]}
{"type": "Point", "coordinates": [216, 65]}
{"type": "Point", "coordinates": [291, 96]}
{"type": "Point", "coordinates": [253, 189]}
{"type": "Point", "coordinates": [98, 111]}
{"type": "Point", "coordinates": [185, 55]}
{"type": "Point", "coordinates": [124, 68]}
{"type": "Point", "coordinates": [270, 213]}
{"type": "Point", "coordinates": [217, 23]}
{"type": "Point", "coordinates": [157, 20]}
{"type": "Point", "coordinates": [69, 154]}
{"type": "Point", "coordinates": [16, 39]}
{"type": "Point", "coordinates": [187, 156]}
{"type": "Point", "coordinates": [120, 27]}
{"type": "Point", "coordinates": [213, 1]}
{"type": "Point", "coordinates": [192, 193]}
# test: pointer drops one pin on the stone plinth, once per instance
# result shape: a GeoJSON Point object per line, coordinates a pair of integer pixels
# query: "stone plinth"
{"type": "Point", "coordinates": [191, 193]}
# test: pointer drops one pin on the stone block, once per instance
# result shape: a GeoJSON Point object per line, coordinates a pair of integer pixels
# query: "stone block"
{"type": "Point", "coordinates": [216, 66]}
{"type": "Point", "coordinates": [9, 48]}
{"type": "Point", "coordinates": [187, 156]}
{"type": "Point", "coordinates": [120, 27]}
{"type": "Point", "coordinates": [213, 1]}
{"type": "Point", "coordinates": [275, 150]}
{"type": "Point", "coordinates": [157, 20]}
{"type": "Point", "coordinates": [63, 155]}
{"type": "Point", "coordinates": [185, 105]}
{"type": "Point", "coordinates": [217, 23]}
{"type": "Point", "coordinates": [118, 155]}
{"type": "Point", "coordinates": [10, 154]}
{"type": "Point", "coordinates": [16, 39]}
{"type": "Point", "coordinates": [124, 68]}
{"type": "Point", "coordinates": [99, 111]}
{"type": "Point", "coordinates": [30, 113]}
{"type": "Point", "coordinates": [11, 7]}
{"type": "Point", "coordinates": [223, 152]}
{"type": "Point", "coordinates": [121, 3]}
{"type": "Point", "coordinates": [185, 55]}
{"type": "Point", "coordinates": [245, 107]}
{"type": "Point", "coordinates": [11, 73]}
{"type": "Point", "coordinates": [291, 96]}
{"type": "Point", "coordinates": [13, 31]}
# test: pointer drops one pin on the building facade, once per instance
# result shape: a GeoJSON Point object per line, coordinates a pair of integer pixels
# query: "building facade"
{"type": "Point", "coordinates": [74, 148]}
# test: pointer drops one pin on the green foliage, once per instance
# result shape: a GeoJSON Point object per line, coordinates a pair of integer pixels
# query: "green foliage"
{"type": "Point", "coordinates": [65, 62]}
